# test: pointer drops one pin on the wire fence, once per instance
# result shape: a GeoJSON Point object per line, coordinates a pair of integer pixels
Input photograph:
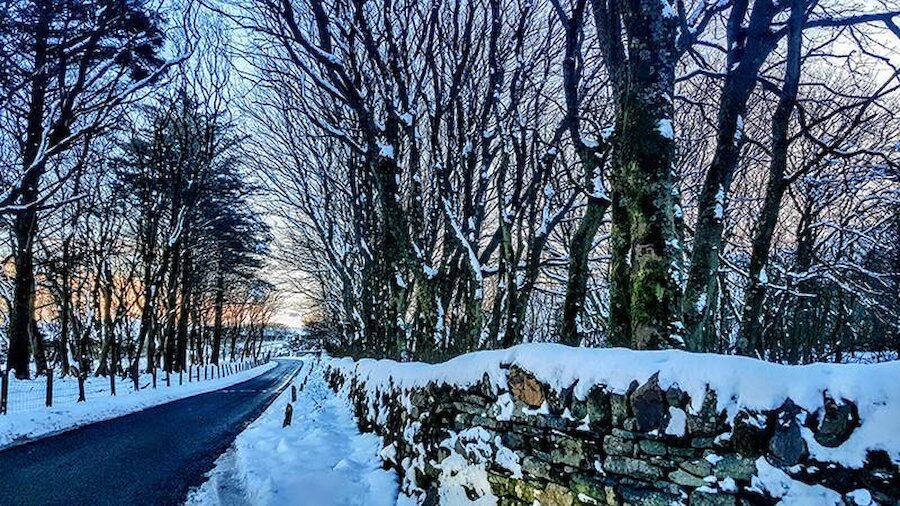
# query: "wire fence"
{"type": "Point", "coordinates": [50, 390]}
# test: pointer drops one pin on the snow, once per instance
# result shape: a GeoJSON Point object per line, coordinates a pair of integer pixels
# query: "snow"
{"type": "Point", "coordinates": [701, 303]}
{"type": "Point", "coordinates": [728, 485]}
{"type": "Point", "coordinates": [792, 492]}
{"type": "Point", "coordinates": [507, 459]}
{"type": "Point", "coordinates": [429, 271]}
{"type": "Point", "coordinates": [739, 382]}
{"type": "Point", "coordinates": [36, 423]}
{"type": "Point", "coordinates": [667, 10]}
{"type": "Point", "coordinates": [321, 458]}
{"type": "Point", "coordinates": [720, 203]}
{"type": "Point", "coordinates": [860, 497]}
{"type": "Point", "coordinates": [464, 471]}
{"type": "Point", "coordinates": [598, 192]}
{"type": "Point", "coordinates": [713, 459]}
{"type": "Point", "coordinates": [664, 126]}
{"type": "Point", "coordinates": [677, 422]}
{"type": "Point", "coordinates": [385, 150]}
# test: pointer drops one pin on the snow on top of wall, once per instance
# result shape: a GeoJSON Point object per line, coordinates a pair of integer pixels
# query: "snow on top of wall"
{"type": "Point", "coordinates": [739, 383]}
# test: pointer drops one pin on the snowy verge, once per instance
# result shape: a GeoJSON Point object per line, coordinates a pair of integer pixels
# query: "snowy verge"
{"type": "Point", "coordinates": [16, 428]}
{"type": "Point", "coordinates": [321, 458]}
{"type": "Point", "coordinates": [740, 383]}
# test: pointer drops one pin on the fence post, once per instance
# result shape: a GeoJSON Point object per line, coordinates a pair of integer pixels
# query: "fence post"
{"type": "Point", "coordinates": [168, 378]}
{"type": "Point", "coordinates": [112, 379]}
{"type": "Point", "coordinates": [82, 396]}
{"type": "Point", "coordinates": [49, 400]}
{"type": "Point", "coordinates": [190, 370]}
{"type": "Point", "coordinates": [136, 376]}
{"type": "Point", "coordinates": [180, 374]}
{"type": "Point", "coordinates": [4, 391]}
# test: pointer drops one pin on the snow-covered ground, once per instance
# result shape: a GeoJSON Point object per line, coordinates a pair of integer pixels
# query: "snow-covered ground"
{"type": "Point", "coordinates": [321, 459]}
{"type": "Point", "coordinates": [28, 395]}
{"type": "Point", "coordinates": [39, 421]}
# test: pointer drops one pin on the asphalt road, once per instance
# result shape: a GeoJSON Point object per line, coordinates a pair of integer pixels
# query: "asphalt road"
{"type": "Point", "coordinates": [150, 457]}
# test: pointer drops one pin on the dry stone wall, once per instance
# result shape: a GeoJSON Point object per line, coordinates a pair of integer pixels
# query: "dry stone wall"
{"type": "Point", "coordinates": [528, 443]}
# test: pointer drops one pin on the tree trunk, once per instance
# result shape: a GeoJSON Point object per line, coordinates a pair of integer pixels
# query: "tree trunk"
{"type": "Point", "coordinates": [65, 310]}
{"type": "Point", "coordinates": [144, 333]}
{"type": "Point", "coordinates": [40, 350]}
{"type": "Point", "coordinates": [619, 331]}
{"type": "Point", "coordinates": [644, 154]}
{"type": "Point", "coordinates": [172, 307]}
{"type": "Point", "coordinates": [750, 341]}
{"type": "Point", "coordinates": [25, 222]}
{"type": "Point", "coordinates": [579, 270]}
{"type": "Point", "coordinates": [217, 318]}
{"type": "Point", "coordinates": [106, 365]}
{"type": "Point", "coordinates": [597, 202]}
{"type": "Point", "coordinates": [749, 47]}
{"type": "Point", "coordinates": [184, 312]}
{"type": "Point", "coordinates": [395, 258]}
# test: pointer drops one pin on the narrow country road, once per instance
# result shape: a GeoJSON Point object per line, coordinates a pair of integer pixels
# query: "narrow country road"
{"type": "Point", "coordinates": [150, 457]}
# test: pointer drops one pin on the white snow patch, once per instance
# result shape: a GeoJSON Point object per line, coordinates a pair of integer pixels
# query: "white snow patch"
{"type": "Point", "coordinates": [677, 422]}
{"type": "Point", "coordinates": [321, 458]}
{"type": "Point", "coordinates": [720, 203]}
{"type": "Point", "coordinates": [664, 126]}
{"type": "Point", "coordinates": [790, 491]}
{"type": "Point", "coordinates": [860, 497]}
{"type": "Point", "coordinates": [385, 150]}
{"type": "Point", "coordinates": [667, 10]}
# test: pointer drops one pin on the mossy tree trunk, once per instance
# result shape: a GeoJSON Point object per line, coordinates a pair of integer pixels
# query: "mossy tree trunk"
{"type": "Point", "coordinates": [645, 243]}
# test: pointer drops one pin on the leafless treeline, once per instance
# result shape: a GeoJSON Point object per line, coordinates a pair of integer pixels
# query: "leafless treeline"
{"type": "Point", "coordinates": [460, 175]}
{"type": "Point", "coordinates": [448, 176]}
{"type": "Point", "coordinates": [131, 240]}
